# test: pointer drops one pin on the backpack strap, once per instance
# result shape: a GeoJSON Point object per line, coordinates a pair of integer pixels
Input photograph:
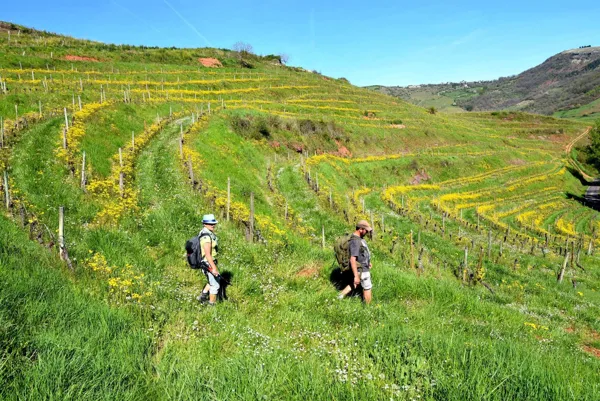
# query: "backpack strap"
{"type": "Point", "coordinates": [200, 236]}
{"type": "Point", "coordinates": [362, 248]}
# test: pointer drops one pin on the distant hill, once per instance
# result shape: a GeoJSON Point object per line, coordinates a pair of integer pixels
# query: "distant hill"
{"type": "Point", "coordinates": [568, 80]}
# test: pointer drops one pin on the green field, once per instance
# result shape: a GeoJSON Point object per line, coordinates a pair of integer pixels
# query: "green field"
{"type": "Point", "coordinates": [588, 113]}
{"type": "Point", "coordinates": [475, 216]}
{"type": "Point", "coordinates": [442, 97]}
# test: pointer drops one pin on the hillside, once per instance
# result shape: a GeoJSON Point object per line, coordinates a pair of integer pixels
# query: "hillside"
{"type": "Point", "coordinates": [485, 263]}
{"type": "Point", "coordinates": [443, 97]}
{"type": "Point", "coordinates": [568, 80]}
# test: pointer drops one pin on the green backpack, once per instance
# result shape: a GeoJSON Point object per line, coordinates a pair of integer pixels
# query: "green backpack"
{"type": "Point", "coordinates": [341, 249]}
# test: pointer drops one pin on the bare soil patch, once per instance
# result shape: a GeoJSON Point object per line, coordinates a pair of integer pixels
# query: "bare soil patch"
{"type": "Point", "coordinates": [591, 350]}
{"type": "Point", "coordinates": [419, 178]}
{"type": "Point", "coordinates": [399, 126]}
{"type": "Point", "coordinates": [517, 162]}
{"type": "Point", "coordinates": [342, 150]}
{"type": "Point", "coordinates": [309, 270]}
{"type": "Point", "coordinates": [210, 62]}
{"type": "Point", "coordinates": [594, 335]}
{"type": "Point", "coordinates": [70, 57]}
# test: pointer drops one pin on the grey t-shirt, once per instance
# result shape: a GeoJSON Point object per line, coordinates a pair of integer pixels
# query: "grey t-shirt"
{"type": "Point", "coordinates": [360, 249]}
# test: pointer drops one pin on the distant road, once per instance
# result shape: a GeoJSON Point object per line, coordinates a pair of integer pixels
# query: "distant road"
{"type": "Point", "coordinates": [593, 192]}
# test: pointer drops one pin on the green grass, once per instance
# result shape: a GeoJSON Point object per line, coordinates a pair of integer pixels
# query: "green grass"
{"type": "Point", "coordinates": [59, 341]}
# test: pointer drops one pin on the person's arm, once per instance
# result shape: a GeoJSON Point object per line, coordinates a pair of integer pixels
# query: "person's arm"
{"type": "Point", "coordinates": [207, 246]}
{"type": "Point", "coordinates": [354, 267]}
{"type": "Point", "coordinates": [354, 252]}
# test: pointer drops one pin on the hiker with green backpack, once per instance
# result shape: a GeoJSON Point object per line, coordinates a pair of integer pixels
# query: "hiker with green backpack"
{"type": "Point", "coordinates": [354, 258]}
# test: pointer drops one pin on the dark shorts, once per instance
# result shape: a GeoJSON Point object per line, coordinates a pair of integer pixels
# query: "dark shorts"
{"type": "Point", "coordinates": [347, 277]}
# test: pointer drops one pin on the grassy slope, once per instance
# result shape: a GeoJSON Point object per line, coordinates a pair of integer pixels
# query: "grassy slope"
{"type": "Point", "coordinates": [282, 334]}
{"type": "Point", "coordinates": [58, 341]}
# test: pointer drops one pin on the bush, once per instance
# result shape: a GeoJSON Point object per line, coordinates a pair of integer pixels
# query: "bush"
{"type": "Point", "coordinates": [240, 124]}
{"type": "Point", "coordinates": [262, 129]}
{"type": "Point", "coordinates": [254, 127]}
{"type": "Point", "coordinates": [307, 127]}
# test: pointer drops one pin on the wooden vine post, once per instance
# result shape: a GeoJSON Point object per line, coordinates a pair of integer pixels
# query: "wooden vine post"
{"type": "Point", "coordinates": [561, 274]}
{"type": "Point", "coordinates": [62, 249]}
{"type": "Point", "coordinates": [83, 171]}
{"type": "Point", "coordinates": [465, 264]}
{"type": "Point", "coordinates": [191, 172]}
{"type": "Point", "coordinates": [443, 224]}
{"type": "Point", "coordinates": [412, 251]}
{"type": "Point", "coordinates": [6, 191]}
{"type": "Point", "coordinates": [61, 231]}
{"type": "Point", "coordinates": [228, 196]}
{"type": "Point", "coordinates": [66, 120]}
{"type": "Point", "coordinates": [250, 236]}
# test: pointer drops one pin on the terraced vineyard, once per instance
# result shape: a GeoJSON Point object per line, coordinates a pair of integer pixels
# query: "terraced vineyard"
{"type": "Point", "coordinates": [485, 263]}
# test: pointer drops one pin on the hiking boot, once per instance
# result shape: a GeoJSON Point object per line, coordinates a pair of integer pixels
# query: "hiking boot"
{"type": "Point", "coordinates": [203, 298]}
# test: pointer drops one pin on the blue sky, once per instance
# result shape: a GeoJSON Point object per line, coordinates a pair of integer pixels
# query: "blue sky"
{"type": "Point", "coordinates": [377, 42]}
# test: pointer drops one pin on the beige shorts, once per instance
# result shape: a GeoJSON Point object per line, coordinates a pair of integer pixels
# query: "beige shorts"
{"type": "Point", "coordinates": [365, 280]}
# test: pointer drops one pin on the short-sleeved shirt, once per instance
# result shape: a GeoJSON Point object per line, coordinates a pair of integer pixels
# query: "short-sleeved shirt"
{"type": "Point", "coordinates": [212, 238]}
{"type": "Point", "coordinates": [360, 249]}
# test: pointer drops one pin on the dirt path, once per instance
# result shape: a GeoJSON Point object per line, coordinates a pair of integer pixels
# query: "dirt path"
{"type": "Point", "coordinates": [574, 141]}
{"type": "Point", "coordinates": [568, 152]}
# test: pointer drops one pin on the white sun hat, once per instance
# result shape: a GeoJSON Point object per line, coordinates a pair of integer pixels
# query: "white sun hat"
{"type": "Point", "coordinates": [209, 219]}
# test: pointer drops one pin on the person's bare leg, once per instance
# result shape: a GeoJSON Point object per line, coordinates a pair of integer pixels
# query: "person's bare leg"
{"type": "Point", "coordinates": [206, 288]}
{"type": "Point", "coordinates": [345, 291]}
{"type": "Point", "coordinates": [367, 295]}
{"type": "Point", "coordinates": [212, 298]}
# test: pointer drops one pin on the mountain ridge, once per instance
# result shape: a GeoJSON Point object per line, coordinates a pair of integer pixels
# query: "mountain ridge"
{"type": "Point", "coordinates": [564, 81]}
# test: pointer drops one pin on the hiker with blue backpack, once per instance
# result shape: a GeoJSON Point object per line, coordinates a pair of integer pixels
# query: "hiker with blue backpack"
{"type": "Point", "coordinates": [202, 254]}
{"type": "Point", "coordinates": [354, 258]}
